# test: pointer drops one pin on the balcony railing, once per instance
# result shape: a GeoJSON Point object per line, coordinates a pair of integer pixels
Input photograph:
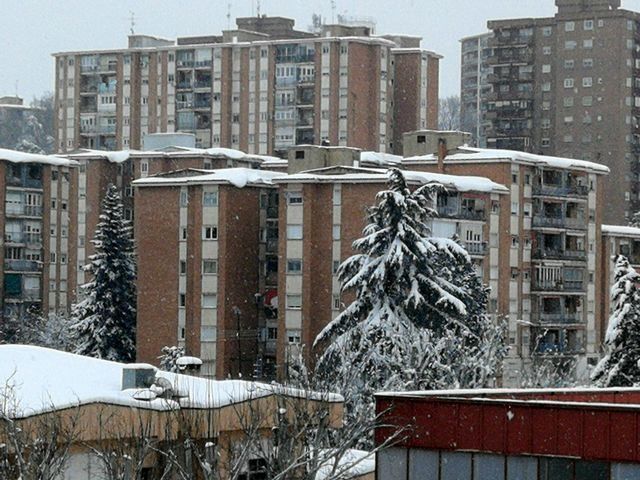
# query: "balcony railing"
{"type": "Point", "coordinates": [299, 58]}
{"type": "Point", "coordinates": [286, 81]}
{"type": "Point", "coordinates": [185, 85]}
{"type": "Point", "coordinates": [476, 248]}
{"type": "Point", "coordinates": [559, 222]}
{"type": "Point", "coordinates": [457, 212]}
{"type": "Point", "coordinates": [107, 129]}
{"type": "Point", "coordinates": [23, 237]}
{"type": "Point", "coordinates": [558, 318]}
{"type": "Point", "coordinates": [202, 84]}
{"type": "Point", "coordinates": [550, 253]}
{"type": "Point", "coordinates": [22, 266]}
{"type": "Point", "coordinates": [558, 286]}
{"type": "Point", "coordinates": [24, 210]}
{"type": "Point", "coordinates": [560, 190]}
{"type": "Point", "coordinates": [184, 105]}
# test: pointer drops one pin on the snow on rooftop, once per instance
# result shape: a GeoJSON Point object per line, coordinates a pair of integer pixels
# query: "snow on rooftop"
{"type": "Point", "coordinates": [354, 463]}
{"type": "Point", "coordinates": [371, 175]}
{"type": "Point", "coordinates": [238, 177]}
{"type": "Point", "coordinates": [114, 156]}
{"type": "Point", "coordinates": [478, 154]}
{"type": "Point", "coordinates": [379, 158]}
{"type": "Point", "coordinates": [39, 380]}
{"type": "Point", "coordinates": [15, 156]}
{"type": "Point", "coordinates": [621, 230]}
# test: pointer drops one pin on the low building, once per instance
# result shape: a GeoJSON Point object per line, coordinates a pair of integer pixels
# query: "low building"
{"type": "Point", "coordinates": [580, 434]}
{"type": "Point", "coordinates": [95, 407]}
{"type": "Point", "coordinates": [207, 268]}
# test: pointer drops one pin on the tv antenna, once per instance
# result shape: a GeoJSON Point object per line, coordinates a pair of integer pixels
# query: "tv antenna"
{"type": "Point", "coordinates": [333, 11]}
{"type": "Point", "coordinates": [229, 16]}
{"type": "Point", "coordinates": [258, 8]}
{"type": "Point", "coordinates": [132, 19]}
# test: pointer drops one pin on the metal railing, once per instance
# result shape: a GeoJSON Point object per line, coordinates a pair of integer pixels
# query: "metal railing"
{"type": "Point", "coordinates": [560, 190]}
{"type": "Point", "coordinates": [476, 248]}
{"type": "Point", "coordinates": [559, 286]}
{"type": "Point", "coordinates": [25, 210]}
{"type": "Point", "coordinates": [553, 253]}
{"type": "Point", "coordinates": [22, 265]}
{"type": "Point", "coordinates": [558, 318]}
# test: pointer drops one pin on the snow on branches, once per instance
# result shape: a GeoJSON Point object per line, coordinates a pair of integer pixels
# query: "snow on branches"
{"type": "Point", "coordinates": [620, 367]}
{"type": "Point", "coordinates": [419, 318]}
{"type": "Point", "coordinates": [105, 321]}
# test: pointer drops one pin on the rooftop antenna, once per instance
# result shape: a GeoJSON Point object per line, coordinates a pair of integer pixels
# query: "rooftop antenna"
{"type": "Point", "coordinates": [133, 23]}
{"type": "Point", "coordinates": [259, 4]}
{"type": "Point", "coordinates": [17, 83]}
{"type": "Point", "coordinates": [229, 16]}
{"type": "Point", "coordinates": [333, 11]}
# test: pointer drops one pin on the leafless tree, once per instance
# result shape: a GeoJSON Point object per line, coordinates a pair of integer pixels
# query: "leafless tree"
{"type": "Point", "coordinates": [449, 113]}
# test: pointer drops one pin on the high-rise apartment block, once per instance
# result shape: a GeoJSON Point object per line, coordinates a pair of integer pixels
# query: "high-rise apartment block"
{"type": "Point", "coordinates": [543, 247]}
{"type": "Point", "coordinates": [475, 86]}
{"type": "Point", "coordinates": [566, 86]}
{"type": "Point", "coordinates": [261, 88]}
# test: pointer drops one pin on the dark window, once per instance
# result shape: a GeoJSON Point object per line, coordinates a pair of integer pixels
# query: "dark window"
{"type": "Point", "coordinates": [422, 139]}
{"type": "Point", "coordinates": [592, 471]}
{"type": "Point", "coordinates": [556, 469]}
{"type": "Point", "coordinates": [299, 154]}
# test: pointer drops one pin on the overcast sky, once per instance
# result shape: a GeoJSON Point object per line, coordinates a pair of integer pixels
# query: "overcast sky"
{"type": "Point", "coordinates": [33, 29]}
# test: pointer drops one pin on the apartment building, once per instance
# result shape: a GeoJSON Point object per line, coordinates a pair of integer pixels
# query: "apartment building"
{"type": "Point", "coordinates": [214, 290]}
{"type": "Point", "coordinates": [35, 219]}
{"type": "Point", "coordinates": [544, 244]}
{"type": "Point", "coordinates": [566, 86]}
{"type": "Point", "coordinates": [475, 86]}
{"type": "Point", "coordinates": [260, 88]}
{"type": "Point", "coordinates": [323, 210]}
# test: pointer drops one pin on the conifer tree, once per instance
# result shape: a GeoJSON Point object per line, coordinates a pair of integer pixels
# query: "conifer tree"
{"type": "Point", "coordinates": [105, 321]}
{"type": "Point", "coordinates": [620, 365]}
{"type": "Point", "coordinates": [419, 317]}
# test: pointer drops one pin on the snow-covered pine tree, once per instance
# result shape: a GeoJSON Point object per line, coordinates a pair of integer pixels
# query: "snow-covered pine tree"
{"type": "Point", "coordinates": [635, 220]}
{"type": "Point", "coordinates": [419, 317]}
{"type": "Point", "coordinates": [169, 358]}
{"type": "Point", "coordinates": [620, 365]}
{"type": "Point", "coordinates": [105, 321]}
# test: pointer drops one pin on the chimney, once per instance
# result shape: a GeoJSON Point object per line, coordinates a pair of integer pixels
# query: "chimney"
{"type": "Point", "coordinates": [442, 153]}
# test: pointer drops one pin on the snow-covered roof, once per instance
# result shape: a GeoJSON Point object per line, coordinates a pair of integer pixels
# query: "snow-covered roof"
{"type": "Point", "coordinates": [15, 156]}
{"type": "Point", "coordinates": [382, 159]}
{"type": "Point", "coordinates": [40, 380]}
{"type": "Point", "coordinates": [120, 156]}
{"type": "Point", "coordinates": [468, 154]}
{"type": "Point", "coordinates": [621, 231]}
{"type": "Point", "coordinates": [238, 177]}
{"type": "Point", "coordinates": [353, 464]}
{"type": "Point", "coordinates": [373, 175]}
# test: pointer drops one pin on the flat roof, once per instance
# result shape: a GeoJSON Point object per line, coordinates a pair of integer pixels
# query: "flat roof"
{"type": "Point", "coordinates": [620, 231]}
{"type": "Point", "coordinates": [238, 177]}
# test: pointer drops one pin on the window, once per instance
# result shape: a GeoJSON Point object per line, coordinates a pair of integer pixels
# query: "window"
{"type": "Point", "coordinates": [209, 300]}
{"type": "Point", "coordinates": [207, 333]}
{"type": "Point", "coordinates": [209, 233]}
{"type": "Point", "coordinates": [183, 233]}
{"type": "Point", "coordinates": [294, 301]}
{"type": "Point", "coordinates": [546, 68]}
{"type": "Point", "coordinates": [570, 45]}
{"type": "Point", "coordinates": [210, 199]}
{"type": "Point", "coordinates": [209, 266]}
{"type": "Point", "coordinates": [294, 198]}
{"type": "Point", "coordinates": [587, 43]}
{"type": "Point", "coordinates": [294, 266]}
{"type": "Point", "coordinates": [182, 300]}
{"type": "Point", "coordinates": [587, 101]}
{"type": "Point", "coordinates": [184, 199]}
{"type": "Point", "coordinates": [568, 83]}
{"type": "Point", "coordinates": [63, 259]}
{"type": "Point", "coordinates": [336, 266]}
{"type": "Point", "coordinates": [336, 232]}
{"type": "Point", "coordinates": [588, 25]}
{"type": "Point", "coordinates": [336, 302]}
{"type": "Point", "coordinates": [569, 64]}
{"type": "Point", "coordinates": [547, 31]}
{"type": "Point", "coordinates": [569, 26]}
{"type": "Point", "coordinates": [546, 50]}
{"type": "Point", "coordinates": [546, 123]}
{"type": "Point", "coordinates": [144, 167]}
{"type": "Point", "coordinates": [52, 257]}
{"type": "Point", "coordinates": [514, 208]}
{"type": "Point", "coordinates": [293, 336]}
{"type": "Point", "coordinates": [587, 82]}
{"type": "Point", "coordinates": [294, 232]}
{"type": "Point", "coordinates": [567, 101]}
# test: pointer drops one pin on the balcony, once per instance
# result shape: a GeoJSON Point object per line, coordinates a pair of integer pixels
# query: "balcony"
{"type": "Point", "coordinates": [558, 285]}
{"type": "Point", "coordinates": [476, 249]}
{"type": "Point", "coordinates": [23, 238]}
{"type": "Point", "coordinates": [106, 129]}
{"type": "Point", "coordinates": [184, 105]}
{"type": "Point", "coordinates": [541, 221]}
{"type": "Point", "coordinates": [560, 190]}
{"type": "Point", "coordinates": [20, 210]}
{"type": "Point", "coordinates": [186, 63]}
{"type": "Point", "coordinates": [184, 85]}
{"type": "Point", "coordinates": [22, 266]}
{"type": "Point", "coordinates": [87, 129]}
{"type": "Point", "coordinates": [558, 318]}
{"type": "Point", "coordinates": [498, 40]}
{"type": "Point", "coordinates": [296, 58]}
{"type": "Point", "coordinates": [524, 57]}
{"type": "Point", "coordinates": [202, 84]}
{"type": "Point", "coordinates": [286, 81]}
{"type": "Point", "coordinates": [202, 64]}
{"type": "Point", "coordinates": [559, 254]}
{"type": "Point", "coordinates": [452, 211]}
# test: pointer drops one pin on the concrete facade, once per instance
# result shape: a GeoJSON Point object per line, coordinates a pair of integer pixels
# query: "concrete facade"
{"type": "Point", "coordinates": [258, 91]}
